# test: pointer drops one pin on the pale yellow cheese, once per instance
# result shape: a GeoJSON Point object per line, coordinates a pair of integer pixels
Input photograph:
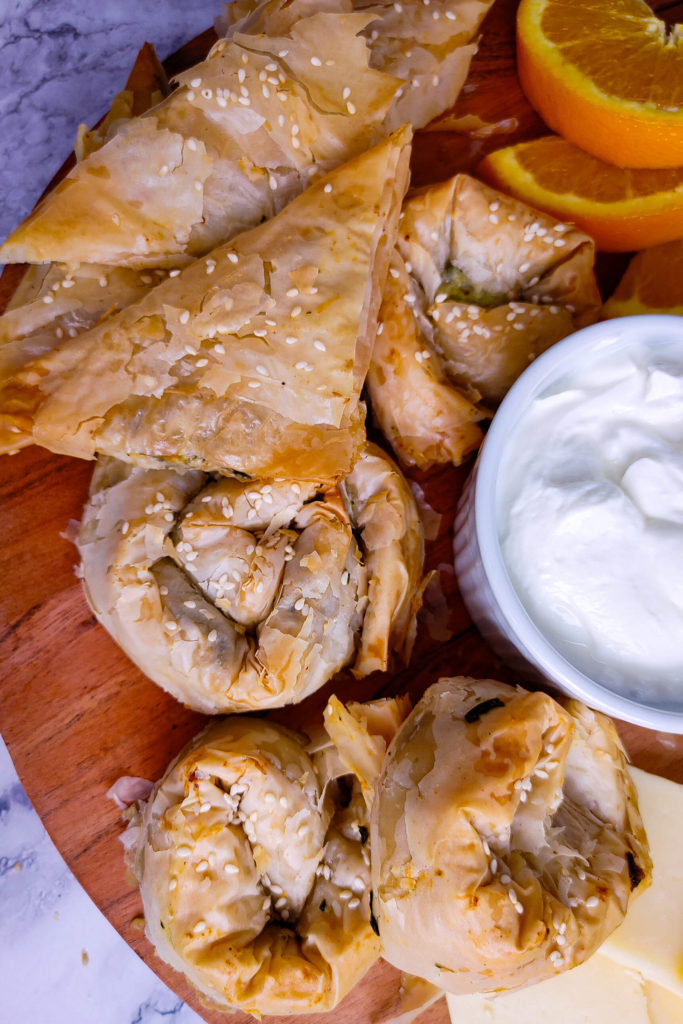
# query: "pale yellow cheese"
{"type": "Point", "coordinates": [651, 938]}
{"type": "Point", "coordinates": [600, 991]}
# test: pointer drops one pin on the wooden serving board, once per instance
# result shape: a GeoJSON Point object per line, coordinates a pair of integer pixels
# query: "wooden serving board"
{"type": "Point", "coordinates": [76, 714]}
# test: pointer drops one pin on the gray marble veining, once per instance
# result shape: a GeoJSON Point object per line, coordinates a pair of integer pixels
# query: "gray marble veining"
{"type": "Point", "coordinates": [61, 61]}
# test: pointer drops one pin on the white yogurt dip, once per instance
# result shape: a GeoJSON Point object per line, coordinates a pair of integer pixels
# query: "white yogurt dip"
{"type": "Point", "coordinates": [589, 509]}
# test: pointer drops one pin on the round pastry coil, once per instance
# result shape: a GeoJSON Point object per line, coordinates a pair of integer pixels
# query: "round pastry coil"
{"type": "Point", "coordinates": [237, 595]}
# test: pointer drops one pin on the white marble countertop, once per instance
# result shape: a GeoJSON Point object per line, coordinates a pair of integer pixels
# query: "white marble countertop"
{"type": "Point", "coordinates": [60, 960]}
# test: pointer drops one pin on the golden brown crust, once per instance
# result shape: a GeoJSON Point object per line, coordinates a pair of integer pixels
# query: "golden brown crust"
{"type": "Point", "coordinates": [253, 871]}
{"type": "Point", "coordinates": [506, 837]}
{"type": "Point", "coordinates": [249, 361]}
{"type": "Point", "coordinates": [240, 596]}
{"type": "Point", "coordinates": [490, 285]}
{"type": "Point", "coordinates": [293, 90]}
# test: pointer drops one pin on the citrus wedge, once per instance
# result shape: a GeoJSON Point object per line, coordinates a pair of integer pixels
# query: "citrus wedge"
{"type": "Point", "coordinates": [653, 283]}
{"type": "Point", "coordinates": [606, 74]}
{"type": "Point", "coordinates": [621, 209]}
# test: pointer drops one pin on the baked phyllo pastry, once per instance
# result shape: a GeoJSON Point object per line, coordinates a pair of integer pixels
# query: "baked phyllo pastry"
{"type": "Point", "coordinates": [481, 284]}
{"type": "Point", "coordinates": [57, 301]}
{"type": "Point", "coordinates": [506, 837]}
{"type": "Point", "coordinates": [238, 595]}
{"type": "Point", "coordinates": [249, 361]}
{"type": "Point", "coordinates": [252, 861]}
{"type": "Point", "coordinates": [278, 101]}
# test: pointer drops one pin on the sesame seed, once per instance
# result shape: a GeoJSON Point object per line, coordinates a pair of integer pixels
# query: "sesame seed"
{"type": "Point", "coordinates": [201, 363]}
{"type": "Point", "coordinates": [319, 345]}
{"type": "Point", "coordinates": [47, 299]}
{"type": "Point", "coordinates": [210, 266]}
{"type": "Point", "coordinates": [292, 293]}
{"type": "Point", "coordinates": [316, 62]}
{"type": "Point", "coordinates": [262, 370]}
{"type": "Point", "coordinates": [295, 311]}
{"type": "Point", "coordinates": [592, 901]}
{"type": "Point", "coordinates": [244, 100]}
{"type": "Point", "coordinates": [493, 219]}
{"type": "Point", "coordinates": [231, 869]}
{"type": "Point", "coordinates": [346, 92]}
{"type": "Point", "coordinates": [163, 590]}
{"type": "Point", "coordinates": [327, 188]}
{"type": "Point", "coordinates": [184, 850]}
{"type": "Point", "coordinates": [353, 903]}
{"type": "Point", "coordinates": [398, 7]}
{"type": "Point", "coordinates": [190, 95]}
{"type": "Point", "coordinates": [184, 316]}
{"type": "Point", "coordinates": [203, 864]}
{"type": "Point", "coordinates": [199, 927]}
{"type": "Point", "coordinates": [163, 170]}
{"type": "Point", "coordinates": [254, 384]}
{"type": "Point", "coordinates": [191, 144]}
{"type": "Point", "coordinates": [350, 107]}
{"type": "Point", "coordinates": [524, 267]}
{"type": "Point", "coordinates": [173, 884]}
{"type": "Point", "coordinates": [298, 605]}
{"type": "Point", "coordinates": [173, 273]}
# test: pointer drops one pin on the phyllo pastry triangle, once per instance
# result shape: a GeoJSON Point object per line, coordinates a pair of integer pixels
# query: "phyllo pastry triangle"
{"type": "Point", "coordinates": [291, 92]}
{"type": "Point", "coordinates": [249, 361]}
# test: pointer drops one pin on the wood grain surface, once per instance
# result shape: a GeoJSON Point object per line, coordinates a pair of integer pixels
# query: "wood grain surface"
{"type": "Point", "coordinates": [76, 714]}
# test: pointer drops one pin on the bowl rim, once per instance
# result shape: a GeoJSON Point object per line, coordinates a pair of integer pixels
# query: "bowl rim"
{"type": "Point", "coordinates": [548, 367]}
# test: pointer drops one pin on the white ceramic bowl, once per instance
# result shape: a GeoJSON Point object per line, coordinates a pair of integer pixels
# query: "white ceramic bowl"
{"type": "Point", "coordinates": [487, 590]}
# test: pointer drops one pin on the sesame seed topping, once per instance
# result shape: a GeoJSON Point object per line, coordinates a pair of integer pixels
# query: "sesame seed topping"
{"type": "Point", "coordinates": [260, 332]}
{"type": "Point", "coordinates": [210, 266]}
{"type": "Point", "coordinates": [319, 345]}
{"type": "Point", "coordinates": [254, 384]}
{"type": "Point", "coordinates": [327, 188]}
{"type": "Point", "coordinates": [184, 316]}
{"type": "Point", "coordinates": [199, 927]}
{"type": "Point", "coordinates": [316, 62]}
{"type": "Point", "coordinates": [353, 903]}
{"type": "Point", "coordinates": [296, 310]}
{"type": "Point", "coordinates": [173, 273]}
{"type": "Point", "coordinates": [346, 92]}
{"type": "Point", "coordinates": [191, 144]}
{"type": "Point", "coordinates": [290, 340]}
{"type": "Point", "coordinates": [592, 901]}
{"type": "Point", "coordinates": [262, 370]}
{"type": "Point", "coordinates": [233, 257]}
{"type": "Point", "coordinates": [292, 293]}
{"type": "Point", "coordinates": [350, 107]}
{"type": "Point", "coordinates": [47, 299]}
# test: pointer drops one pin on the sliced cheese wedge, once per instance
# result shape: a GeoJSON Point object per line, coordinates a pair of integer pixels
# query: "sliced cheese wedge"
{"type": "Point", "coordinates": [650, 940]}
{"type": "Point", "coordinates": [599, 991]}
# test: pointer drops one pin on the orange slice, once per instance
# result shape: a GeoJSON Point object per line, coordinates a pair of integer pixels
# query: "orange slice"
{"type": "Point", "coordinates": [606, 74]}
{"type": "Point", "coordinates": [653, 283]}
{"type": "Point", "coordinates": [621, 209]}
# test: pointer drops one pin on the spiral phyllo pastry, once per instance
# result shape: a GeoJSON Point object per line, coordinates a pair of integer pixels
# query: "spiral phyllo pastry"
{"type": "Point", "coordinates": [237, 595]}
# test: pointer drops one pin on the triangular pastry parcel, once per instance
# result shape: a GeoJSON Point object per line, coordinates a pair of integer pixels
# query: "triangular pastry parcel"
{"type": "Point", "coordinates": [249, 361]}
{"type": "Point", "coordinates": [296, 88]}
